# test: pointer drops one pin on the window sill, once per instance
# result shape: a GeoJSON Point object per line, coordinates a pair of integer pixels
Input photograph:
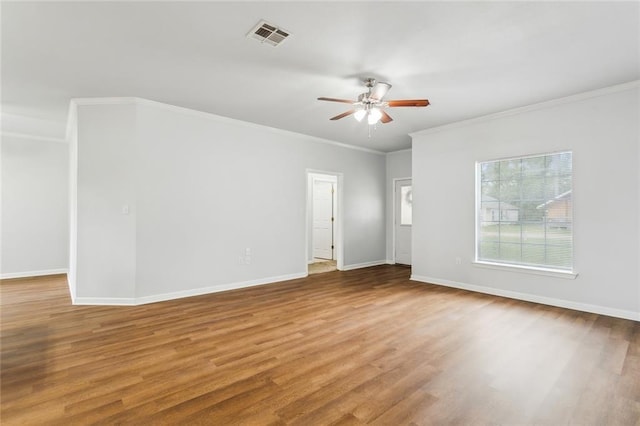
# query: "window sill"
{"type": "Point", "coordinates": [568, 275]}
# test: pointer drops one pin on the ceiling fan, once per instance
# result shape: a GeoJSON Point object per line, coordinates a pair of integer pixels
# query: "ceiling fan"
{"type": "Point", "coordinates": [371, 103]}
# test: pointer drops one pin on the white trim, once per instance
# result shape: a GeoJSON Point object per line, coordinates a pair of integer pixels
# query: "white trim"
{"type": "Point", "coordinates": [72, 120]}
{"type": "Point", "coordinates": [568, 275]}
{"type": "Point", "coordinates": [104, 301]}
{"type": "Point", "coordinates": [72, 138]}
{"type": "Point", "coordinates": [363, 265]}
{"type": "Point", "coordinates": [27, 274]}
{"type": "Point", "coordinates": [567, 304]}
{"type": "Point", "coordinates": [115, 100]}
{"type": "Point", "coordinates": [338, 238]}
{"type": "Point", "coordinates": [210, 116]}
{"type": "Point", "coordinates": [34, 137]}
{"type": "Point", "coordinates": [399, 151]}
{"type": "Point", "coordinates": [183, 293]}
{"type": "Point", "coordinates": [533, 107]}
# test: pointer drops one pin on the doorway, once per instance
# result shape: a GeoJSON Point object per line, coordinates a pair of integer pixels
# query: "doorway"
{"type": "Point", "coordinates": [403, 220]}
{"type": "Point", "coordinates": [323, 230]}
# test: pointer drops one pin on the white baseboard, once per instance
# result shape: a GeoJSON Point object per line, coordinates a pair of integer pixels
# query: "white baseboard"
{"type": "Point", "coordinates": [27, 274]}
{"type": "Point", "coordinates": [107, 301]}
{"type": "Point", "coordinates": [363, 265]}
{"type": "Point", "coordinates": [584, 307]}
{"type": "Point", "coordinates": [183, 293]}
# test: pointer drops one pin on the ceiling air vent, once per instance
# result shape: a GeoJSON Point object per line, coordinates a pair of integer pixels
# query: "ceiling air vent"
{"type": "Point", "coordinates": [268, 33]}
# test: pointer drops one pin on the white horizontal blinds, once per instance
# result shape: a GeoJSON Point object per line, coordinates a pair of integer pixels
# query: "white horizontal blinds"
{"type": "Point", "coordinates": [525, 211]}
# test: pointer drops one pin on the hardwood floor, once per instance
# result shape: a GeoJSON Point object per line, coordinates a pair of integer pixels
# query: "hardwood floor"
{"type": "Point", "coordinates": [320, 266]}
{"type": "Point", "coordinates": [358, 347]}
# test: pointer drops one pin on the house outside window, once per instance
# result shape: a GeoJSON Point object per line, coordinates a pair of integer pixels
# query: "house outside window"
{"type": "Point", "coordinates": [525, 212]}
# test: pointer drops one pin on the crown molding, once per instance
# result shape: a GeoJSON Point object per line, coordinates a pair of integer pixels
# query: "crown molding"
{"type": "Point", "coordinates": [213, 117]}
{"type": "Point", "coordinates": [400, 151]}
{"type": "Point", "coordinates": [533, 107]}
{"type": "Point", "coordinates": [33, 137]}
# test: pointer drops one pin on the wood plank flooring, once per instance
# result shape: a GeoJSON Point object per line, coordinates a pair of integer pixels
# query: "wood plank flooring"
{"type": "Point", "coordinates": [358, 347]}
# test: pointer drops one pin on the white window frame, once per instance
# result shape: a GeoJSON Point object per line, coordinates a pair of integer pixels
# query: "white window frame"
{"type": "Point", "coordinates": [514, 267]}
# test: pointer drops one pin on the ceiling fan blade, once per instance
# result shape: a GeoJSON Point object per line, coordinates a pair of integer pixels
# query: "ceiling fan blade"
{"type": "Point", "coordinates": [385, 117]}
{"type": "Point", "coordinates": [379, 90]}
{"type": "Point", "coordinates": [408, 103]}
{"type": "Point", "coordinates": [346, 101]}
{"type": "Point", "coordinates": [344, 114]}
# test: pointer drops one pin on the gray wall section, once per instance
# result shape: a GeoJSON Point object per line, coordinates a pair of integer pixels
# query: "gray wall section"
{"type": "Point", "coordinates": [603, 133]}
{"type": "Point", "coordinates": [35, 224]}
{"type": "Point", "coordinates": [201, 190]}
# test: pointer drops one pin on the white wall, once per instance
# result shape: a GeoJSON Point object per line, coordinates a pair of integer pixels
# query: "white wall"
{"type": "Point", "coordinates": [398, 166]}
{"type": "Point", "coordinates": [105, 264]}
{"type": "Point", "coordinates": [601, 128]}
{"type": "Point", "coordinates": [35, 224]}
{"type": "Point", "coordinates": [200, 190]}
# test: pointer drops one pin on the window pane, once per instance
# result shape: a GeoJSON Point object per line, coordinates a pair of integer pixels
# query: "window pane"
{"type": "Point", "coordinates": [525, 211]}
{"type": "Point", "coordinates": [490, 190]}
{"type": "Point", "coordinates": [532, 211]}
{"type": "Point", "coordinates": [488, 251]}
{"type": "Point", "coordinates": [406, 205]}
{"type": "Point", "coordinates": [534, 188]}
{"type": "Point", "coordinates": [510, 169]}
{"type": "Point", "coordinates": [510, 233]}
{"type": "Point", "coordinates": [533, 167]}
{"type": "Point", "coordinates": [510, 252]}
{"type": "Point", "coordinates": [533, 233]}
{"type": "Point", "coordinates": [559, 256]}
{"type": "Point", "coordinates": [489, 232]}
{"type": "Point", "coordinates": [490, 170]}
{"type": "Point", "coordinates": [510, 190]}
{"type": "Point", "coordinates": [533, 254]}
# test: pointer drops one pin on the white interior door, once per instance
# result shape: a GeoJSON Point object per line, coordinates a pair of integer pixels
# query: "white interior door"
{"type": "Point", "coordinates": [323, 219]}
{"type": "Point", "coordinates": [403, 203]}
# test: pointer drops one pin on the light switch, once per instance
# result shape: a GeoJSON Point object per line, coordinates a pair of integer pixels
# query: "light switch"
{"type": "Point", "coordinates": [125, 209]}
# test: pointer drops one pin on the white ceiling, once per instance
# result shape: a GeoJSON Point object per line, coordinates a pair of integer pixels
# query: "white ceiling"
{"type": "Point", "coordinates": [468, 58]}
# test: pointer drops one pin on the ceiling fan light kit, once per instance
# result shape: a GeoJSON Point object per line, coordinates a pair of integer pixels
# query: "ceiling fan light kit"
{"type": "Point", "coordinates": [371, 104]}
{"type": "Point", "coordinates": [374, 116]}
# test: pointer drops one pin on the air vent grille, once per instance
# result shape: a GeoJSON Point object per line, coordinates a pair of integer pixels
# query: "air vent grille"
{"type": "Point", "coordinates": [268, 33]}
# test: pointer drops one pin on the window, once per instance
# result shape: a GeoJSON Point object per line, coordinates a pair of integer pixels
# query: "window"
{"type": "Point", "coordinates": [525, 212]}
{"type": "Point", "coordinates": [406, 203]}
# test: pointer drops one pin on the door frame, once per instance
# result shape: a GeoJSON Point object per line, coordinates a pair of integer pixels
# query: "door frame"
{"type": "Point", "coordinates": [338, 227]}
{"type": "Point", "coordinates": [395, 205]}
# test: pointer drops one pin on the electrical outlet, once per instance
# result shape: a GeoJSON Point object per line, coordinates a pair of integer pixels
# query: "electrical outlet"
{"type": "Point", "coordinates": [247, 260]}
{"type": "Point", "coordinates": [458, 261]}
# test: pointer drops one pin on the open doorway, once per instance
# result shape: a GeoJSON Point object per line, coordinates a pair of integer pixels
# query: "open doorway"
{"type": "Point", "coordinates": [324, 253]}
